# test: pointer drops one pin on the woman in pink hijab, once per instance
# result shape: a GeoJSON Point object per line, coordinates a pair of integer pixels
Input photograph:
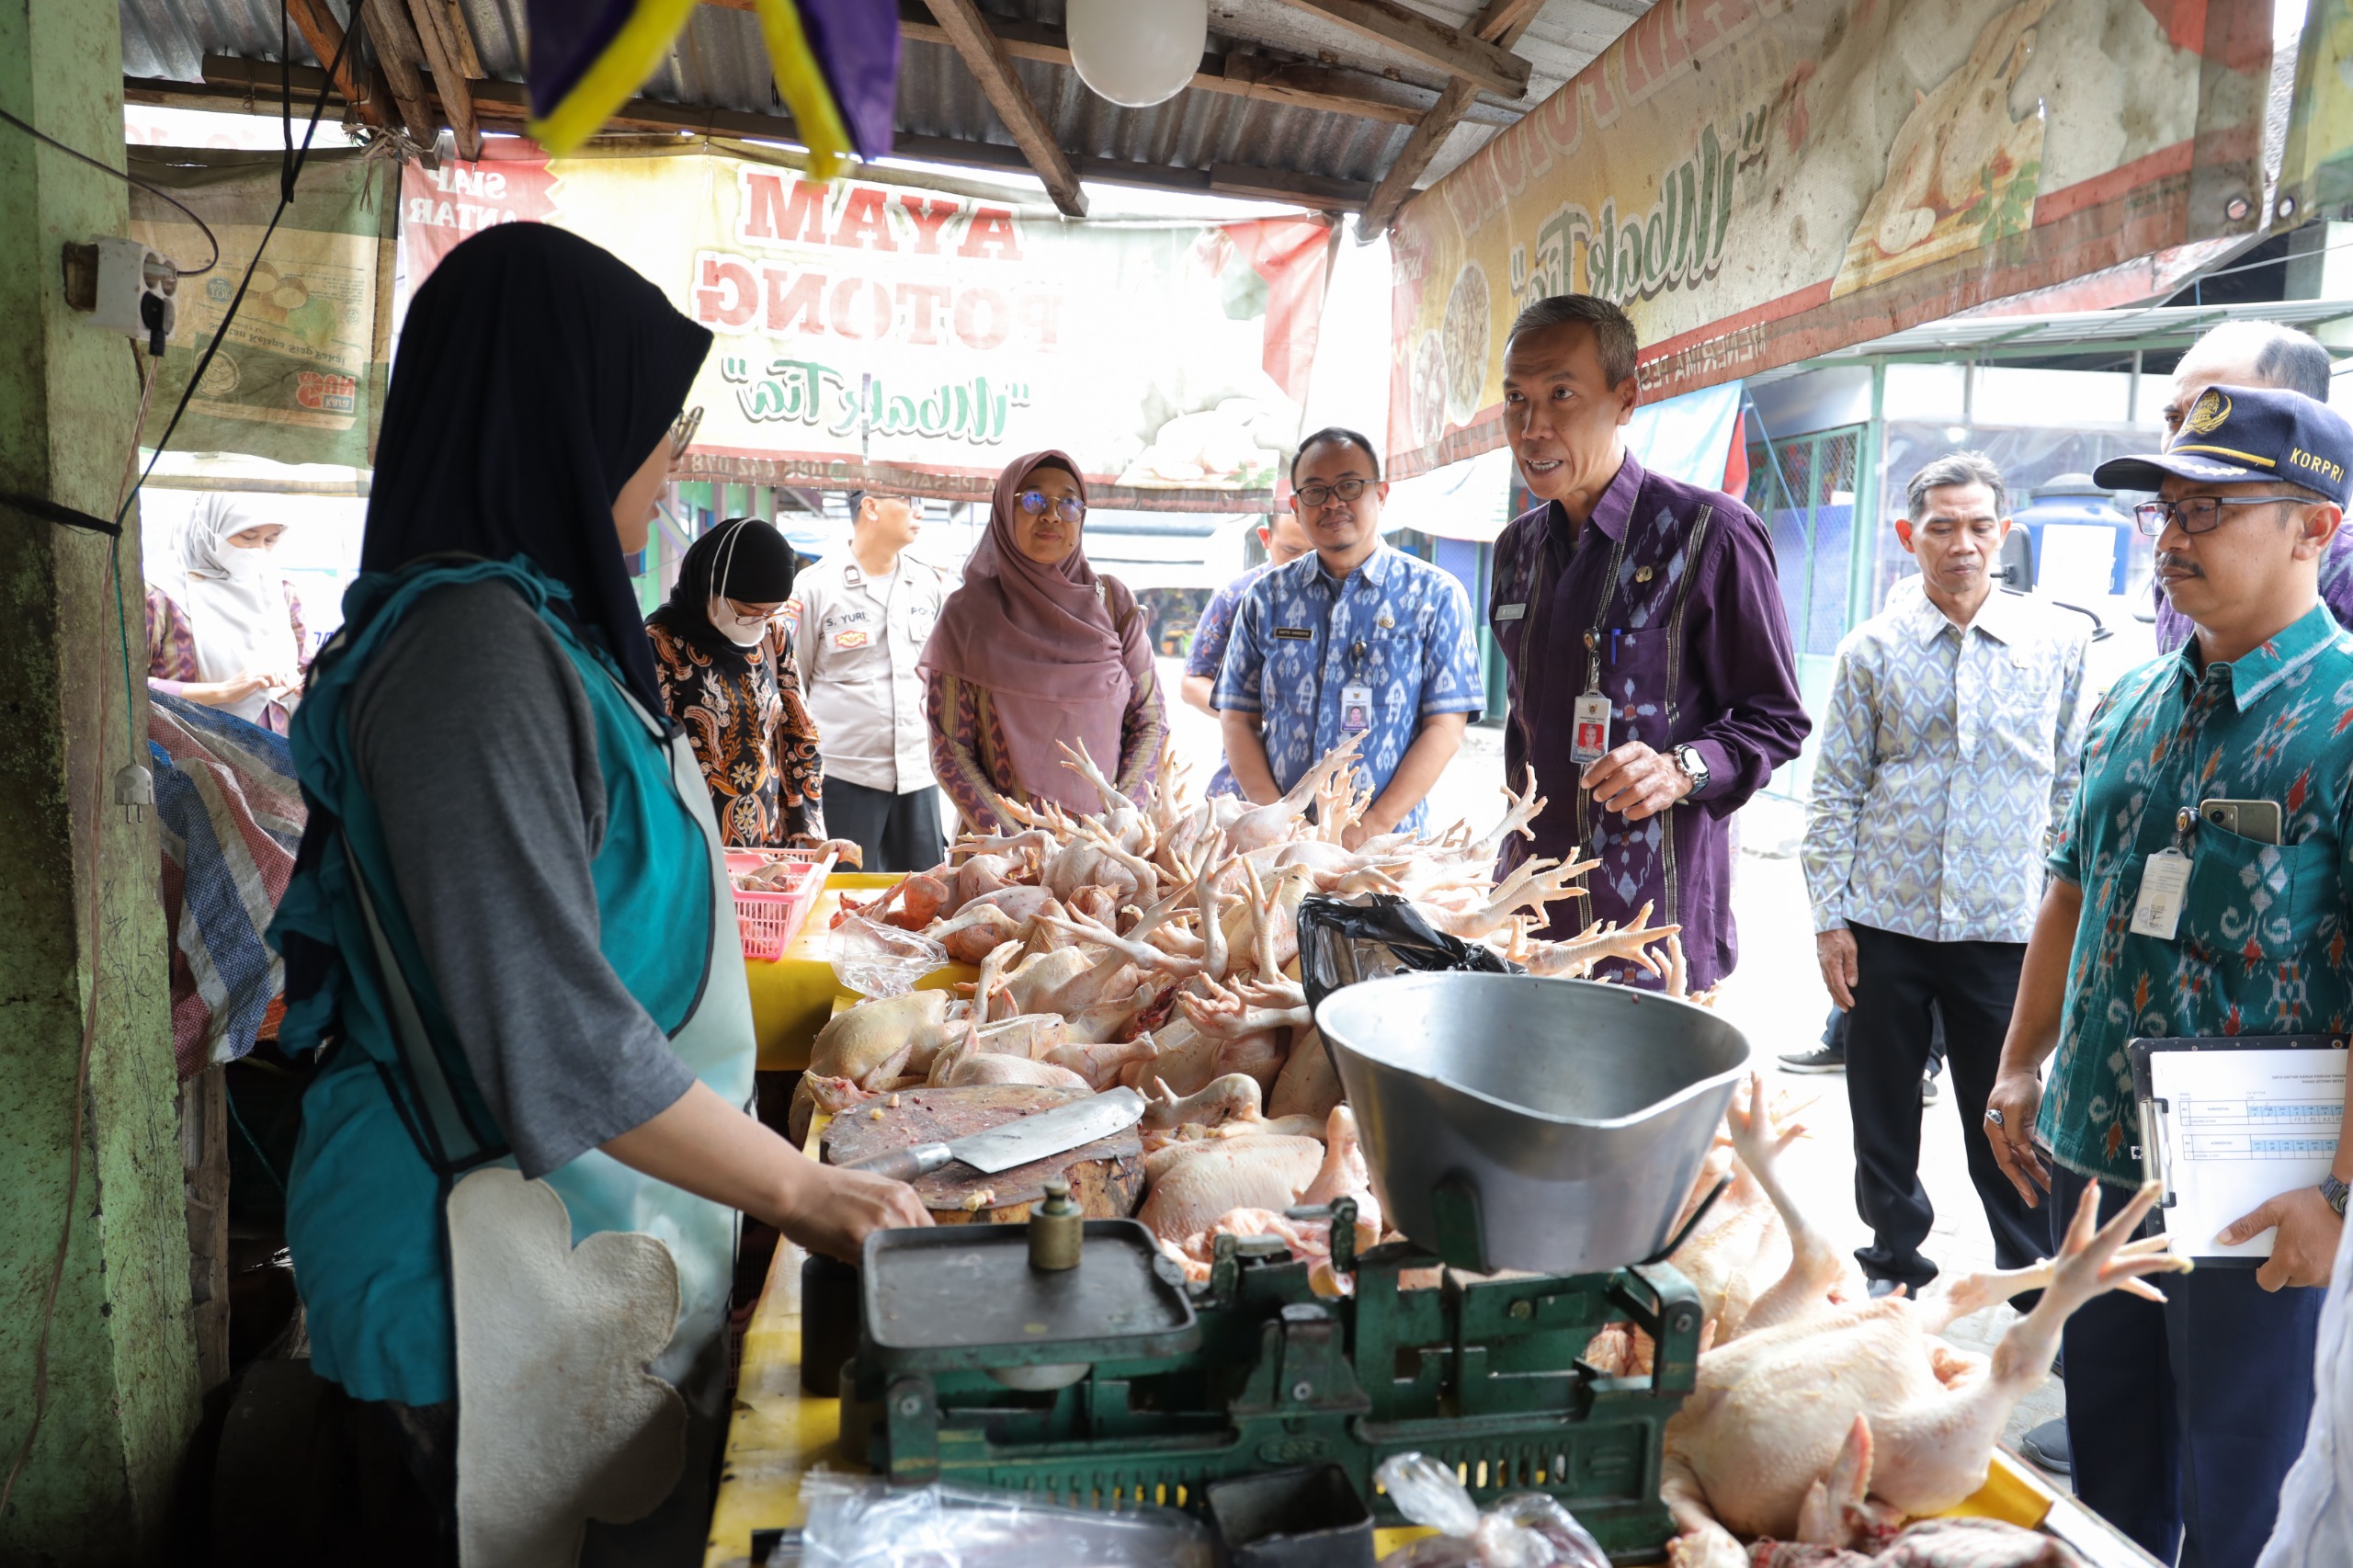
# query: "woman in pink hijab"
{"type": "Point", "coordinates": [1036, 650]}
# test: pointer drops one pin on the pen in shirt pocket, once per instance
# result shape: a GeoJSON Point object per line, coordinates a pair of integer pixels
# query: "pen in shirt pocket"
{"type": "Point", "coordinates": [1615, 633]}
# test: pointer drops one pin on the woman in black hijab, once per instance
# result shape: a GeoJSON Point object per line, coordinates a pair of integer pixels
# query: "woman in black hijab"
{"type": "Point", "coordinates": [510, 917]}
{"type": "Point", "coordinates": [725, 667]}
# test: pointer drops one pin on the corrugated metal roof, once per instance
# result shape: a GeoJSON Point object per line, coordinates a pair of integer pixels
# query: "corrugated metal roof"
{"type": "Point", "coordinates": [2008, 336]}
{"type": "Point", "coordinates": [720, 62]}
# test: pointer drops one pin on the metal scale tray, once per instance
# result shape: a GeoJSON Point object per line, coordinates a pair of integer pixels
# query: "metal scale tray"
{"type": "Point", "coordinates": [956, 1298]}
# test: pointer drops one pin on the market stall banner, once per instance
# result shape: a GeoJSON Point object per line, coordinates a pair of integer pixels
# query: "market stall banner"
{"type": "Point", "coordinates": [906, 338]}
{"type": "Point", "coordinates": [301, 376]}
{"type": "Point", "coordinates": [1758, 181]}
{"type": "Point", "coordinates": [2317, 170]}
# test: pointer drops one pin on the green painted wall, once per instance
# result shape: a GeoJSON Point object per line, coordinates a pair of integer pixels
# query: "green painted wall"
{"type": "Point", "coordinates": [123, 1388]}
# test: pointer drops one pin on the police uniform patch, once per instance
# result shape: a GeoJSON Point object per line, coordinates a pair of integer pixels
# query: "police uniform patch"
{"type": "Point", "coordinates": [851, 639]}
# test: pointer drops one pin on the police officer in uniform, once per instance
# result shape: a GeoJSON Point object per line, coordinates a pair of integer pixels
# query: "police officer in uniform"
{"type": "Point", "coordinates": [858, 621]}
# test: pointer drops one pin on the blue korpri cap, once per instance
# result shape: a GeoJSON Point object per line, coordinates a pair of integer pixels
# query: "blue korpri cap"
{"type": "Point", "coordinates": [2234, 434]}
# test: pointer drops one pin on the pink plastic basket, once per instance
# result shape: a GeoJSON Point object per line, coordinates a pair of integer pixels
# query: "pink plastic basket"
{"type": "Point", "coordinates": [770, 920]}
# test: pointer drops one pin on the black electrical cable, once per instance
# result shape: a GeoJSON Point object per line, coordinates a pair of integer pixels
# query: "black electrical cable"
{"type": "Point", "coordinates": [292, 171]}
{"type": "Point", "coordinates": [40, 135]}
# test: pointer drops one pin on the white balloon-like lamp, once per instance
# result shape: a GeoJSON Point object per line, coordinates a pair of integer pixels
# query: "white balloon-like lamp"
{"type": "Point", "coordinates": [1137, 53]}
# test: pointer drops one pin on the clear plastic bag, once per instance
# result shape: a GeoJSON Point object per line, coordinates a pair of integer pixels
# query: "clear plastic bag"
{"type": "Point", "coordinates": [856, 1521]}
{"type": "Point", "coordinates": [1526, 1530]}
{"type": "Point", "coordinates": [875, 959]}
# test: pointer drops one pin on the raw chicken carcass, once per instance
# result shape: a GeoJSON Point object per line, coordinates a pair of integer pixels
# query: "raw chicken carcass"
{"type": "Point", "coordinates": [964, 1064]}
{"type": "Point", "coordinates": [1829, 1423]}
{"type": "Point", "coordinates": [1193, 1184]}
{"type": "Point", "coordinates": [873, 1043]}
{"type": "Point", "coordinates": [1100, 1063]}
{"type": "Point", "coordinates": [1309, 1085]}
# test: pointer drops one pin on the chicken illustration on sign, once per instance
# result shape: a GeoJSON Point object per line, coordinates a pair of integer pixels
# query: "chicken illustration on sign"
{"type": "Point", "coordinates": [1963, 173]}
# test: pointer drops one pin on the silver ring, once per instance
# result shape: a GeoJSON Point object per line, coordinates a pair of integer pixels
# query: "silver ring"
{"type": "Point", "coordinates": [1993, 1114]}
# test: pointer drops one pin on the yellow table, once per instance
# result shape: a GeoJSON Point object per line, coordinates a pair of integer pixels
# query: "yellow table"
{"type": "Point", "coordinates": [778, 1434]}
{"type": "Point", "coordinates": [794, 995]}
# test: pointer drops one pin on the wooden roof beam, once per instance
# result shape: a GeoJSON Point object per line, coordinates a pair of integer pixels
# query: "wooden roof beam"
{"type": "Point", "coordinates": [324, 35]}
{"type": "Point", "coordinates": [1299, 84]}
{"type": "Point", "coordinates": [1461, 54]}
{"type": "Point", "coordinates": [1500, 23]}
{"type": "Point", "coordinates": [230, 82]}
{"type": "Point", "coordinates": [399, 53]}
{"type": "Point", "coordinates": [982, 51]}
{"type": "Point", "coordinates": [434, 21]}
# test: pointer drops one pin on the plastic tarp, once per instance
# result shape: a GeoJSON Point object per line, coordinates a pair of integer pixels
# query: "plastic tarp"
{"type": "Point", "coordinates": [1687, 438]}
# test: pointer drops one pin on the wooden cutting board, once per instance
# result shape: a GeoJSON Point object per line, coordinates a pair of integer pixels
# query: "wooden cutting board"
{"type": "Point", "coordinates": [1106, 1177]}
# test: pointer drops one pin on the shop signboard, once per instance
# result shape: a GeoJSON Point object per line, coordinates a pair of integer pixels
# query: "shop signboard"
{"type": "Point", "coordinates": [301, 376]}
{"type": "Point", "coordinates": [2317, 170]}
{"type": "Point", "coordinates": [913, 339]}
{"type": "Point", "coordinates": [1758, 181]}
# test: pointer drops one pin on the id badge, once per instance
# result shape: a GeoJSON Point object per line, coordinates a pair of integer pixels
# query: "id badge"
{"type": "Point", "coordinates": [1355, 709]}
{"type": "Point", "coordinates": [2157, 912]}
{"type": "Point", "coordinates": [1591, 718]}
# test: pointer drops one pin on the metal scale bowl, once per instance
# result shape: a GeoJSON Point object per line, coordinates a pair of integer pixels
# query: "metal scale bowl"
{"type": "Point", "coordinates": [1478, 1096]}
{"type": "Point", "coordinates": [1512, 1122]}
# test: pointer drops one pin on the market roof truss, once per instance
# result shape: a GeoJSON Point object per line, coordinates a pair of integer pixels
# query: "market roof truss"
{"type": "Point", "coordinates": [1501, 23]}
{"type": "Point", "coordinates": [1333, 104]}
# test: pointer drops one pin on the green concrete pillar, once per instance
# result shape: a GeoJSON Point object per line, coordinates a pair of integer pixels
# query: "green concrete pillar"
{"type": "Point", "coordinates": [123, 1398]}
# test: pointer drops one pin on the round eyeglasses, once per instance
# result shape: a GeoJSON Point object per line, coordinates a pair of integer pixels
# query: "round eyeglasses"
{"type": "Point", "coordinates": [1347, 490]}
{"type": "Point", "coordinates": [1037, 503]}
{"type": "Point", "coordinates": [2196, 514]}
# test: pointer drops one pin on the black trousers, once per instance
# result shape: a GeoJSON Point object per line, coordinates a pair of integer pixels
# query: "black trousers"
{"type": "Point", "coordinates": [899, 833]}
{"type": "Point", "coordinates": [2184, 1419]}
{"type": "Point", "coordinates": [1972, 986]}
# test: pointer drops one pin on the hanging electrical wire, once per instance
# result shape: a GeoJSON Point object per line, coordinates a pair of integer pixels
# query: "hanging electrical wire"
{"type": "Point", "coordinates": [290, 172]}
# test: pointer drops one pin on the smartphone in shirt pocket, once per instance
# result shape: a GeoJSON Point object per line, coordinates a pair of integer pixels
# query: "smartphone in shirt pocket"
{"type": "Point", "coordinates": [2258, 820]}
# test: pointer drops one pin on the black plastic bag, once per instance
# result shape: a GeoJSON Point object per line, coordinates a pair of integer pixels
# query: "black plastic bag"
{"type": "Point", "coordinates": [1342, 942]}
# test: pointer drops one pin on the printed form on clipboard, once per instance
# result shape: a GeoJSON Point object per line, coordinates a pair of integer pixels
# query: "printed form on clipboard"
{"type": "Point", "coordinates": [2230, 1122]}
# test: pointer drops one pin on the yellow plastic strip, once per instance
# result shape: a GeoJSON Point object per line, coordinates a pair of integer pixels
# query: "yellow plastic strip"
{"type": "Point", "coordinates": [802, 87]}
{"type": "Point", "coordinates": [618, 72]}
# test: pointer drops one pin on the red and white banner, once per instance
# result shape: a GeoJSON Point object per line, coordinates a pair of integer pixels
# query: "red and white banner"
{"type": "Point", "coordinates": [905, 337]}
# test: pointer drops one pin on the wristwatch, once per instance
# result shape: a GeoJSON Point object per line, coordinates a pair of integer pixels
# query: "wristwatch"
{"type": "Point", "coordinates": [2334, 1191]}
{"type": "Point", "coordinates": [1694, 767]}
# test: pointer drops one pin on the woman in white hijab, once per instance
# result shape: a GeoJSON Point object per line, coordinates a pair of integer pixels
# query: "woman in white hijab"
{"type": "Point", "coordinates": [246, 645]}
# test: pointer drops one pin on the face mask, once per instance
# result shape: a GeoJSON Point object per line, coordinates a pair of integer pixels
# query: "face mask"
{"type": "Point", "coordinates": [243, 565]}
{"type": "Point", "coordinates": [742, 631]}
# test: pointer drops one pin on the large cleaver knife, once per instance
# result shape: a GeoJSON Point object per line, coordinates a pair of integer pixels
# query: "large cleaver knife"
{"type": "Point", "coordinates": [1016, 1142]}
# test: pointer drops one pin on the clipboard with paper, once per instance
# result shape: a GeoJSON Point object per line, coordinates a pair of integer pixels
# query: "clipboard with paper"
{"type": "Point", "coordinates": [2229, 1122]}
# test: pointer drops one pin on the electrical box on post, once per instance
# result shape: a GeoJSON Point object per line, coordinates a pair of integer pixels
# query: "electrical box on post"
{"type": "Point", "coordinates": [125, 287]}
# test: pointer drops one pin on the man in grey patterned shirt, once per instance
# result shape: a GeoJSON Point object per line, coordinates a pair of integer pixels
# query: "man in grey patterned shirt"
{"type": "Point", "coordinates": [1948, 753]}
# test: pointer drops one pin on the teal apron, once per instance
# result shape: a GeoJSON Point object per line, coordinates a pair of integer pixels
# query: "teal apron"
{"type": "Point", "coordinates": [393, 1121]}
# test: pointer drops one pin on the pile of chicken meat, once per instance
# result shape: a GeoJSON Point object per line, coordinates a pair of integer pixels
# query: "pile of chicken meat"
{"type": "Point", "coordinates": [1154, 946]}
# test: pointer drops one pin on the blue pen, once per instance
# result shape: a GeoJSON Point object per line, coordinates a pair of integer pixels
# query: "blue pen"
{"type": "Point", "coordinates": [1614, 635]}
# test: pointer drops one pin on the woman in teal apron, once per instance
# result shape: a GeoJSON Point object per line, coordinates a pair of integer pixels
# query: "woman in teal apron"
{"type": "Point", "coordinates": [509, 934]}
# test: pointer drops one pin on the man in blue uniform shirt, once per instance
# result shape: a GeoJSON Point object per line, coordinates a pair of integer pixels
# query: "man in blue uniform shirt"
{"type": "Point", "coordinates": [1356, 638]}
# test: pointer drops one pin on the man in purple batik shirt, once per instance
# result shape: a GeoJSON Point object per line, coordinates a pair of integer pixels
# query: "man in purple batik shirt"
{"type": "Point", "coordinates": [1656, 603]}
{"type": "Point", "coordinates": [2254, 354]}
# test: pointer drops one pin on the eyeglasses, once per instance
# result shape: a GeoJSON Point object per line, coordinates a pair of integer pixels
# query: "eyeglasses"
{"type": "Point", "coordinates": [1069, 509]}
{"type": "Point", "coordinates": [1315, 496]}
{"type": "Point", "coordinates": [682, 431]}
{"type": "Point", "coordinates": [2196, 514]}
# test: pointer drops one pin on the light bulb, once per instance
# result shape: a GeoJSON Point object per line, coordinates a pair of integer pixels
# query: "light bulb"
{"type": "Point", "coordinates": [1137, 53]}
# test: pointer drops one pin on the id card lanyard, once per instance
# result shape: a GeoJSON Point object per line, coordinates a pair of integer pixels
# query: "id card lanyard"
{"type": "Point", "coordinates": [1590, 715]}
{"type": "Point", "coordinates": [1356, 695]}
{"type": "Point", "coordinates": [2164, 878]}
